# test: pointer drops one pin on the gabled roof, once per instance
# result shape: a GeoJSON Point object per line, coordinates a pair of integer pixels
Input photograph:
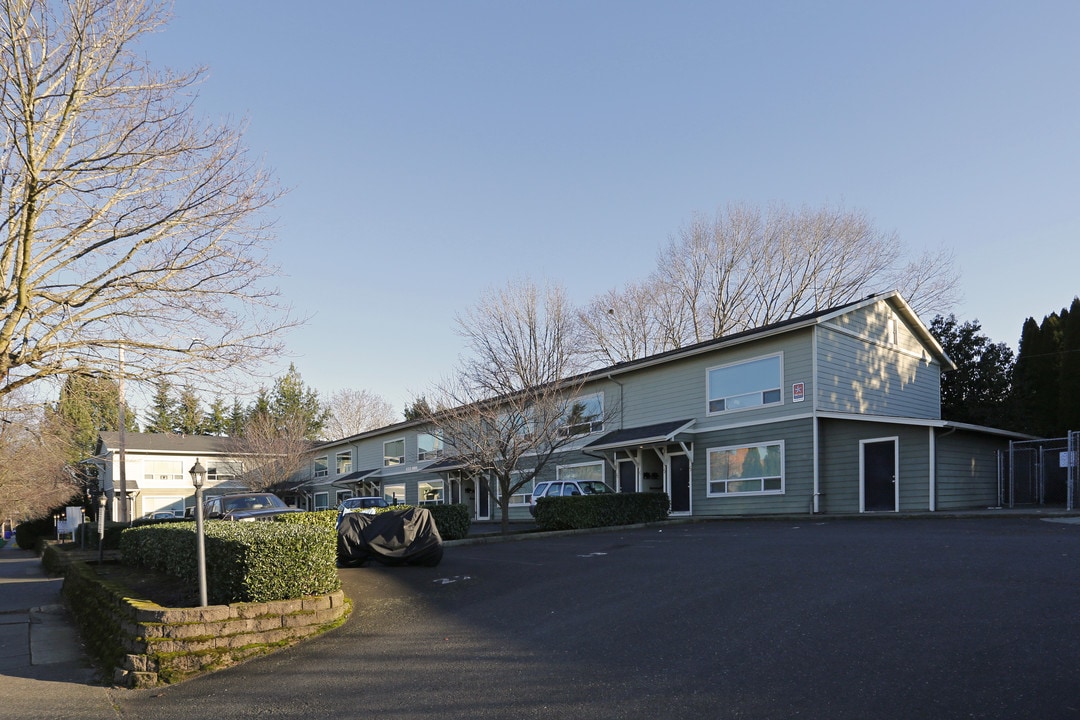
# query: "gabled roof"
{"type": "Point", "coordinates": [164, 443]}
{"type": "Point", "coordinates": [893, 298]}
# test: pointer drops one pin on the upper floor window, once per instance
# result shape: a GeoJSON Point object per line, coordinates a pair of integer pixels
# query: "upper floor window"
{"type": "Point", "coordinates": [320, 466]}
{"type": "Point", "coordinates": [428, 447]}
{"type": "Point", "coordinates": [393, 452]}
{"type": "Point", "coordinates": [745, 384]}
{"type": "Point", "coordinates": [585, 415]}
{"type": "Point", "coordinates": [163, 470]}
{"type": "Point", "coordinates": [343, 463]}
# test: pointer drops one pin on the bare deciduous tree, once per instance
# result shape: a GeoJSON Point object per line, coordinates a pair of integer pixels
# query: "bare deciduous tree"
{"type": "Point", "coordinates": [354, 411]}
{"type": "Point", "coordinates": [747, 268]}
{"type": "Point", "coordinates": [274, 450]}
{"type": "Point", "coordinates": [34, 473]}
{"type": "Point", "coordinates": [513, 403]}
{"type": "Point", "coordinates": [127, 222]}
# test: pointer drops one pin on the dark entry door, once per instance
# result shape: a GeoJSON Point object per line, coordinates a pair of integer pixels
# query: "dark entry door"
{"type": "Point", "coordinates": [879, 476]}
{"type": "Point", "coordinates": [483, 508]}
{"type": "Point", "coordinates": [627, 476]}
{"type": "Point", "coordinates": [680, 484]}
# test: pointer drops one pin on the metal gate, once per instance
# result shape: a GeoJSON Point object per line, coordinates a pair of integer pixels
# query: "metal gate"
{"type": "Point", "coordinates": [1040, 472]}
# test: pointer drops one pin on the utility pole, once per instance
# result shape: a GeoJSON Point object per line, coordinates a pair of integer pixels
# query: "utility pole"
{"type": "Point", "coordinates": [123, 499]}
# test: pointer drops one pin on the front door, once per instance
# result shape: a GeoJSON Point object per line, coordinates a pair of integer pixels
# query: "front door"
{"type": "Point", "coordinates": [627, 476]}
{"type": "Point", "coordinates": [879, 481]}
{"type": "Point", "coordinates": [483, 499]}
{"type": "Point", "coordinates": [679, 469]}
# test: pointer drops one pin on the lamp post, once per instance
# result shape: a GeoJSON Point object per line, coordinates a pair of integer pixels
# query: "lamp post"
{"type": "Point", "coordinates": [102, 501]}
{"type": "Point", "coordinates": [198, 475]}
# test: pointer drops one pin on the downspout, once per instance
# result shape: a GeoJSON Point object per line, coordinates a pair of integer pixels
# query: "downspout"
{"type": "Point", "coordinates": [815, 501]}
{"type": "Point", "coordinates": [933, 470]}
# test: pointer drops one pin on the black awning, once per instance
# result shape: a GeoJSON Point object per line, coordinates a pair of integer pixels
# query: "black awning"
{"type": "Point", "coordinates": [454, 462]}
{"type": "Point", "coordinates": [355, 476]}
{"type": "Point", "coordinates": [657, 434]}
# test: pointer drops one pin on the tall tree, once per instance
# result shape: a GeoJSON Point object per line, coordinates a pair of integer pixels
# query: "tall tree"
{"type": "Point", "coordinates": [161, 417]}
{"type": "Point", "coordinates": [1069, 384]}
{"type": "Point", "coordinates": [291, 398]}
{"type": "Point", "coordinates": [128, 223]}
{"type": "Point", "coordinates": [978, 391]}
{"type": "Point", "coordinates": [354, 411]}
{"type": "Point", "coordinates": [508, 408]}
{"type": "Point", "coordinates": [189, 413]}
{"type": "Point", "coordinates": [746, 268]}
{"type": "Point", "coordinates": [36, 473]}
{"type": "Point", "coordinates": [1037, 376]}
{"type": "Point", "coordinates": [87, 406]}
{"type": "Point", "coordinates": [216, 420]}
{"type": "Point", "coordinates": [280, 429]}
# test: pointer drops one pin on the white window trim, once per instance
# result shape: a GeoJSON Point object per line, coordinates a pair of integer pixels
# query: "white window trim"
{"type": "Point", "coordinates": [763, 443]}
{"type": "Point", "coordinates": [337, 462]}
{"type": "Point", "coordinates": [595, 426]}
{"type": "Point", "coordinates": [441, 484]}
{"type": "Point", "coordinates": [601, 463]}
{"type": "Point", "coordinates": [435, 454]}
{"type": "Point", "coordinates": [325, 466]}
{"type": "Point", "coordinates": [325, 504]}
{"type": "Point", "coordinates": [400, 458]}
{"type": "Point", "coordinates": [401, 500]}
{"type": "Point", "coordinates": [708, 386]}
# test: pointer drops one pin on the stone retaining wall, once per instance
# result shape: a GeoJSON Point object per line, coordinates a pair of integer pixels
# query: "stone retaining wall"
{"type": "Point", "coordinates": [146, 644]}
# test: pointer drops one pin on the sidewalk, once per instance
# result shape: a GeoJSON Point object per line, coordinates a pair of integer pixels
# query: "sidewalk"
{"type": "Point", "coordinates": [43, 669]}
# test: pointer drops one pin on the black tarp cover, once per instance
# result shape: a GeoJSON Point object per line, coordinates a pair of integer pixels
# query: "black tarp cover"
{"type": "Point", "coordinates": [395, 537]}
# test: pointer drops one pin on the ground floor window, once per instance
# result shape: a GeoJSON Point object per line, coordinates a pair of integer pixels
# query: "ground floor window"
{"type": "Point", "coordinates": [394, 494]}
{"type": "Point", "coordinates": [746, 469]}
{"type": "Point", "coordinates": [432, 492]}
{"type": "Point", "coordinates": [522, 496]}
{"type": "Point", "coordinates": [585, 471]}
{"type": "Point", "coordinates": [322, 501]}
{"type": "Point", "coordinates": [341, 496]}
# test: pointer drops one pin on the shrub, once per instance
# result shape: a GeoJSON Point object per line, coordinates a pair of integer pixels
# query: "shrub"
{"type": "Point", "coordinates": [245, 562]}
{"type": "Point", "coordinates": [588, 511]}
{"type": "Point", "coordinates": [28, 534]}
{"type": "Point", "coordinates": [452, 521]}
{"type": "Point", "coordinates": [318, 518]}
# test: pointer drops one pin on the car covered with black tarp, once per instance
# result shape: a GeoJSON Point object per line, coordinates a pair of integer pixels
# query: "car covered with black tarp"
{"type": "Point", "coordinates": [393, 537]}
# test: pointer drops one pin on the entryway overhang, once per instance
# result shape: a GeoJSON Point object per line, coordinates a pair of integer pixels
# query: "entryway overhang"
{"type": "Point", "coordinates": [640, 437]}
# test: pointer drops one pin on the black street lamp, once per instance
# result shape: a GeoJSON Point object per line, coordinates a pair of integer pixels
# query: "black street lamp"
{"type": "Point", "coordinates": [198, 476]}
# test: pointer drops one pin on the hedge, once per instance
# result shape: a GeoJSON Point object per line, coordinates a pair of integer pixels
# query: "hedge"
{"type": "Point", "coordinates": [245, 562]}
{"type": "Point", "coordinates": [589, 511]}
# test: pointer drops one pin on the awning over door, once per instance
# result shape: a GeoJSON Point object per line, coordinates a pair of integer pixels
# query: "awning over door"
{"type": "Point", "coordinates": [658, 434]}
{"type": "Point", "coordinates": [355, 476]}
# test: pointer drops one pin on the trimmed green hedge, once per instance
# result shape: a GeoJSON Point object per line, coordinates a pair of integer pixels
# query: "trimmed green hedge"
{"type": "Point", "coordinates": [589, 511]}
{"type": "Point", "coordinates": [321, 518]}
{"type": "Point", "coordinates": [245, 562]}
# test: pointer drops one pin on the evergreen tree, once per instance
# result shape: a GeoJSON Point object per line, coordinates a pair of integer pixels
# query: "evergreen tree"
{"type": "Point", "coordinates": [188, 413]}
{"type": "Point", "coordinates": [161, 417]}
{"type": "Point", "coordinates": [1037, 377]}
{"type": "Point", "coordinates": [216, 420]}
{"type": "Point", "coordinates": [418, 409]}
{"type": "Point", "coordinates": [1069, 384]}
{"type": "Point", "coordinates": [978, 391]}
{"type": "Point", "coordinates": [87, 406]}
{"type": "Point", "coordinates": [292, 399]}
{"type": "Point", "coordinates": [237, 417]}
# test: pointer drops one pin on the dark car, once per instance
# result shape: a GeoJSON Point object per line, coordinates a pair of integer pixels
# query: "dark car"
{"type": "Point", "coordinates": [246, 506]}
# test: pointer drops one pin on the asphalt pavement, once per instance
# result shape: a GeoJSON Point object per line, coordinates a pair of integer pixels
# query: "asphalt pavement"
{"type": "Point", "coordinates": [44, 671]}
{"type": "Point", "coordinates": [786, 618]}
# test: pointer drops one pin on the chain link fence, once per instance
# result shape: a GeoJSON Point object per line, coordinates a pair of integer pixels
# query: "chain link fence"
{"type": "Point", "coordinates": [1040, 472]}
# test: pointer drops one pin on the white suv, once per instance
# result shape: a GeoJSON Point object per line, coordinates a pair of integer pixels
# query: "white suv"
{"type": "Point", "coordinates": [564, 488]}
{"type": "Point", "coordinates": [366, 505]}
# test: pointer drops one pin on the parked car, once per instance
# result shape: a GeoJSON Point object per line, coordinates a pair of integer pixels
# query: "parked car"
{"type": "Point", "coordinates": [563, 488]}
{"type": "Point", "coordinates": [366, 505]}
{"type": "Point", "coordinates": [246, 506]}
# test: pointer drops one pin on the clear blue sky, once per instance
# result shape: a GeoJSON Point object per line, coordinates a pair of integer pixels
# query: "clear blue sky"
{"type": "Point", "coordinates": [434, 149]}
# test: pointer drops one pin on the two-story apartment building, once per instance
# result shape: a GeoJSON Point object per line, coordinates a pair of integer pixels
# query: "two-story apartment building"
{"type": "Point", "coordinates": [157, 469]}
{"type": "Point", "coordinates": [833, 412]}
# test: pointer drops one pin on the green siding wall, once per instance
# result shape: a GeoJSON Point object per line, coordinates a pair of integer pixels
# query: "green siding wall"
{"type": "Point", "coordinates": [967, 470]}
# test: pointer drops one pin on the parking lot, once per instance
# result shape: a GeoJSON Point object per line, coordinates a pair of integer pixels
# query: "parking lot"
{"type": "Point", "coordinates": [874, 618]}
